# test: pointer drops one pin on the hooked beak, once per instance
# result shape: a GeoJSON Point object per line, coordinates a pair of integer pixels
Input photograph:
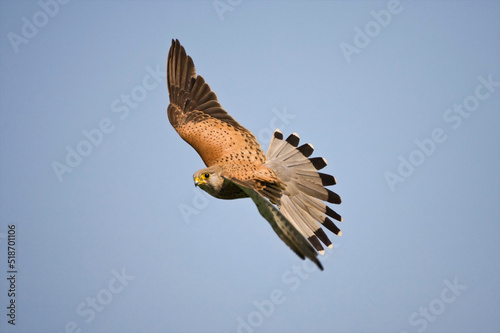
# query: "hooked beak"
{"type": "Point", "coordinates": [198, 181]}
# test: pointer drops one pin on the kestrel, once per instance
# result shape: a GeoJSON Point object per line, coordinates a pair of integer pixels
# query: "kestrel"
{"type": "Point", "coordinates": [284, 183]}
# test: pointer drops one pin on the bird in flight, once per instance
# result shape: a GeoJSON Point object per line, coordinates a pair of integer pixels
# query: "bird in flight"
{"type": "Point", "coordinates": [284, 183]}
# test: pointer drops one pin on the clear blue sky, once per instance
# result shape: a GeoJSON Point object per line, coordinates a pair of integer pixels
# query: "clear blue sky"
{"type": "Point", "coordinates": [402, 99]}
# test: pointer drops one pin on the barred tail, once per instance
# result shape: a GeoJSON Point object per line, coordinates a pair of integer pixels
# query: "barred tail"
{"type": "Point", "coordinates": [302, 200]}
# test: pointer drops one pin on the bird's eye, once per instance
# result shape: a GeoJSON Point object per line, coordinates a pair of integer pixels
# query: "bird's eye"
{"type": "Point", "coordinates": [206, 175]}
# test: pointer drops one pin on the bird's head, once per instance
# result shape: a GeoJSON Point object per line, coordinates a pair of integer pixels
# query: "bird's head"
{"type": "Point", "coordinates": [209, 179]}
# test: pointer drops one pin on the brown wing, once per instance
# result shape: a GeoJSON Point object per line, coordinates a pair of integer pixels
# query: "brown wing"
{"type": "Point", "coordinates": [200, 120]}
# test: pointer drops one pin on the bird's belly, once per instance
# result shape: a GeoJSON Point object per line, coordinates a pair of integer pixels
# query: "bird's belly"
{"type": "Point", "coordinates": [228, 191]}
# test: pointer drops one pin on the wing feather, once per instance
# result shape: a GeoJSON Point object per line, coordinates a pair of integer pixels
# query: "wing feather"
{"type": "Point", "coordinates": [196, 114]}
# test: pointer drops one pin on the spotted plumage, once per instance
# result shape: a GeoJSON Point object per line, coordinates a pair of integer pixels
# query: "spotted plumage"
{"type": "Point", "coordinates": [237, 167]}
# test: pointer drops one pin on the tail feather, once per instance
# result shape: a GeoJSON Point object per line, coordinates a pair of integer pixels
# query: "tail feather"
{"type": "Point", "coordinates": [297, 155]}
{"type": "Point", "coordinates": [311, 217]}
{"type": "Point", "coordinates": [318, 191]}
{"type": "Point", "coordinates": [316, 244]}
{"type": "Point", "coordinates": [324, 211]}
{"type": "Point", "coordinates": [306, 149]}
{"type": "Point", "coordinates": [294, 213]}
{"type": "Point", "coordinates": [318, 162]}
{"type": "Point", "coordinates": [285, 149]}
{"type": "Point", "coordinates": [312, 177]}
{"type": "Point", "coordinates": [293, 139]}
{"type": "Point", "coordinates": [326, 179]}
{"type": "Point", "coordinates": [278, 147]}
{"type": "Point", "coordinates": [275, 143]}
{"type": "Point", "coordinates": [316, 212]}
{"type": "Point", "coordinates": [323, 237]}
{"type": "Point", "coordinates": [330, 212]}
{"type": "Point", "coordinates": [321, 207]}
{"type": "Point", "coordinates": [302, 200]}
{"type": "Point", "coordinates": [327, 223]}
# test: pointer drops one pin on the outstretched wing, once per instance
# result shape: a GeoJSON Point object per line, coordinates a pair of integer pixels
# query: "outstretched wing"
{"type": "Point", "coordinates": [285, 230]}
{"type": "Point", "coordinates": [200, 120]}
